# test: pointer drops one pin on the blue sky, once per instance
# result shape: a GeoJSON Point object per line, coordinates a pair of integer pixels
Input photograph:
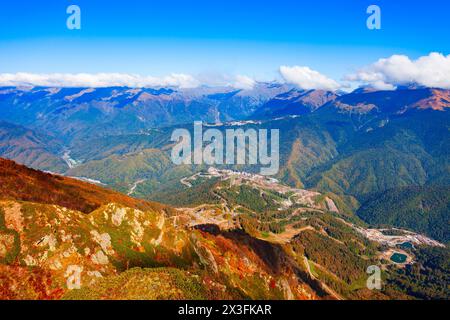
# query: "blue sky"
{"type": "Point", "coordinates": [254, 38]}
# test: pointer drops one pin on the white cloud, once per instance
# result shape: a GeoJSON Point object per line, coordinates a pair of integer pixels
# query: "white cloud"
{"type": "Point", "coordinates": [306, 78]}
{"type": "Point", "coordinates": [97, 80]}
{"type": "Point", "coordinates": [243, 82]}
{"type": "Point", "coordinates": [432, 70]}
{"type": "Point", "coordinates": [122, 79]}
{"type": "Point", "coordinates": [214, 79]}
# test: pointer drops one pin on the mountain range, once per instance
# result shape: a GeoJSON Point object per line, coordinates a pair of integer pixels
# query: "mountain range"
{"type": "Point", "coordinates": [361, 163]}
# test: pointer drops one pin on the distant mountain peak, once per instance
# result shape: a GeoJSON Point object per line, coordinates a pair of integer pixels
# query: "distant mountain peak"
{"type": "Point", "coordinates": [401, 100]}
{"type": "Point", "coordinates": [295, 102]}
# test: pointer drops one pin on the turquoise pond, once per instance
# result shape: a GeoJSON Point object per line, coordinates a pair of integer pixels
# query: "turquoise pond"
{"type": "Point", "coordinates": [398, 257]}
{"type": "Point", "coordinates": [406, 245]}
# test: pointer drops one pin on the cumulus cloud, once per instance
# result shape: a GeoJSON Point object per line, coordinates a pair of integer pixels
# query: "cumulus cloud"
{"type": "Point", "coordinates": [97, 80]}
{"type": "Point", "coordinates": [306, 78]}
{"type": "Point", "coordinates": [432, 70]}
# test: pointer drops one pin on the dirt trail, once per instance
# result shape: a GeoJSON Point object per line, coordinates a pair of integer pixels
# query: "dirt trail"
{"type": "Point", "coordinates": [330, 291]}
{"type": "Point", "coordinates": [134, 186]}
